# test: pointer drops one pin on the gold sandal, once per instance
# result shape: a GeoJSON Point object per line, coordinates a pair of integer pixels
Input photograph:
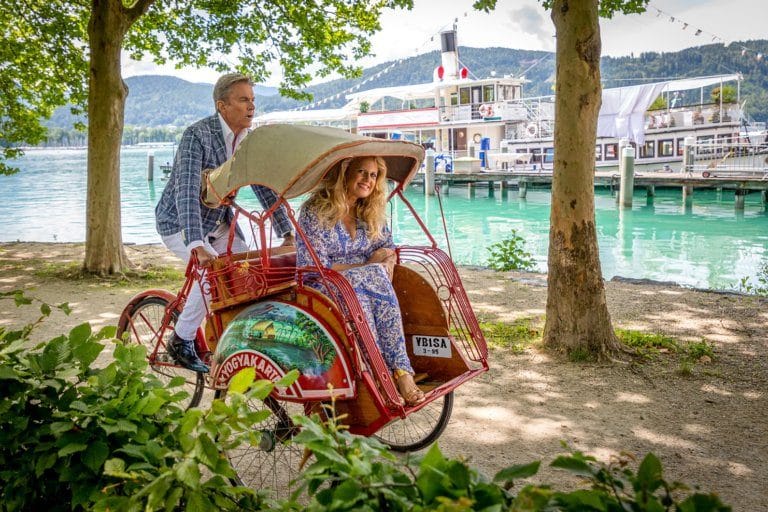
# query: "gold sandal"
{"type": "Point", "coordinates": [407, 388]}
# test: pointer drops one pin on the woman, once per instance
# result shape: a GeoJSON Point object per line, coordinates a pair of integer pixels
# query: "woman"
{"type": "Point", "coordinates": [344, 220]}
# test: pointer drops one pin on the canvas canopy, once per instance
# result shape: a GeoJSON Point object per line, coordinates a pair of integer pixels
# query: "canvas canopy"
{"type": "Point", "coordinates": [622, 113]}
{"type": "Point", "coordinates": [292, 159]}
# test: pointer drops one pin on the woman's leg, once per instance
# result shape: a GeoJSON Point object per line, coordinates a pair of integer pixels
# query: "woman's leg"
{"type": "Point", "coordinates": [382, 311]}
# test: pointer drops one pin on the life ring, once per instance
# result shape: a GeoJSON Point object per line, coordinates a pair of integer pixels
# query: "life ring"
{"type": "Point", "coordinates": [532, 130]}
{"type": "Point", "coordinates": [486, 110]}
{"type": "Point", "coordinates": [477, 138]}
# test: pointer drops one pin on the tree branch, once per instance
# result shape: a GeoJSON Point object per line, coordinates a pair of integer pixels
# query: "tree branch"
{"type": "Point", "coordinates": [138, 9]}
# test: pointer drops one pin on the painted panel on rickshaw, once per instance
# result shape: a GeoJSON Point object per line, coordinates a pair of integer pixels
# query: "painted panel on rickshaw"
{"type": "Point", "coordinates": [275, 337]}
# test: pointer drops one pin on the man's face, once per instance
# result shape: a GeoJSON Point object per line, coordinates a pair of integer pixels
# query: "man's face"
{"type": "Point", "coordinates": [237, 109]}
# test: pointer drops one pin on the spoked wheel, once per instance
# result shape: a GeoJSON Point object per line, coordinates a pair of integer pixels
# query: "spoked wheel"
{"type": "Point", "coordinates": [145, 321]}
{"type": "Point", "coordinates": [276, 460]}
{"type": "Point", "coordinates": [418, 429]}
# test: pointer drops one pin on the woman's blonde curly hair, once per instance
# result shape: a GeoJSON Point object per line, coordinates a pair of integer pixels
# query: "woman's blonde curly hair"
{"type": "Point", "coordinates": [330, 198]}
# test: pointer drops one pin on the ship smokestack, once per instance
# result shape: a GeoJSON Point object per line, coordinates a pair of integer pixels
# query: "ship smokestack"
{"type": "Point", "coordinates": [449, 54]}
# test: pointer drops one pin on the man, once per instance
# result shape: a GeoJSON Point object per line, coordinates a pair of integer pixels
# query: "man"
{"type": "Point", "coordinates": [186, 225]}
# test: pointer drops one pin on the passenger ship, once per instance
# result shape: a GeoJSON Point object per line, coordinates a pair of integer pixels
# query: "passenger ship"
{"type": "Point", "coordinates": [486, 124]}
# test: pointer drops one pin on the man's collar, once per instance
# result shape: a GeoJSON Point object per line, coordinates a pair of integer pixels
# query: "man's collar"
{"type": "Point", "coordinates": [225, 129]}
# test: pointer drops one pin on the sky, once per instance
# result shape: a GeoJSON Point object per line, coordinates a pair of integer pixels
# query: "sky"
{"type": "Point", "coordinates": [666, 26]}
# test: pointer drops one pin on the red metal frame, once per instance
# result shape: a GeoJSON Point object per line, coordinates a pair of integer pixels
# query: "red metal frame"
{"type": "Point", "coordinates": [241, 279]}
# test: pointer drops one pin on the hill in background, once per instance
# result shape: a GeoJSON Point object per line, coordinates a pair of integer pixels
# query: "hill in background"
{"type": "Point", "coordinates": [156, 101]}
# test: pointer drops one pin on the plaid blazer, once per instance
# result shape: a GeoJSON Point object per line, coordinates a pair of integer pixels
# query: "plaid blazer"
{"type": "Point", "coordinates": [181, 208]}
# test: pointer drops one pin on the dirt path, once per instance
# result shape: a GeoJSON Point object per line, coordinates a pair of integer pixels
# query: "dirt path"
{"type": "Point", "coordinates": [708, 429]}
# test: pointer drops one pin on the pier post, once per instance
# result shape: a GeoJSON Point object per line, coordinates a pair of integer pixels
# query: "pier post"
{"type": "Point", "coordinates": [627, 184]}
{"type": "Point", "coordinates": [687, 195]}
{"type": "Point", "coordinates": [688, 153]}
{"type": "Point", "coordinates": [471, 189]}
{"type": "Point", "coordinates": [429, 173]}
{"type": "Point", "coordinates": [739, 198]}
{"type": "Point", "coordinates": [651, 190]}
{"type": "Point", "coordinates": [150, 166]}
{"type": "Point", "coordinates": [522, 188]}
{"type": "Point", "coordinates": [764, 196]}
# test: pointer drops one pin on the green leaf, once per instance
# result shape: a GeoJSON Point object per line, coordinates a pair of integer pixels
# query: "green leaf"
{"type": "Point", "coordinates": [288, 379]}
{"type": "Point", "coordinates": [45, 309]}
{"type": "Point", "coordinates": [116, 467]}
{"type": "Point", "coordinates": [87, 353]}
{"type": "Point", "coordinates": [72, 448]}
{"type": "Point", "coordinates": [574, 465]}
{"type": "Point", "coordinates": [188, 473]}
{"type": "Point", "coordinates": [517, 471]}
{"type": "Point", "coordinates": [242, 380]}
{"type": "Point", "coordinates": [80, 333]}
{"type": "Point", "coordinates": [59, 427]}
{"type": "Point", "coordinates": [649, 474]}
{"type": "Point", "coordinates": [96, 455]}
{"type": "Point", "coordinates": [207, 450]}
{"type": "Point", "coordinates": [153, 404]}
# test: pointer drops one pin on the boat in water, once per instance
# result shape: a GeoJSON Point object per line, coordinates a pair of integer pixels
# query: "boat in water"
{"type": "Point", "coordinates": [477, 125]}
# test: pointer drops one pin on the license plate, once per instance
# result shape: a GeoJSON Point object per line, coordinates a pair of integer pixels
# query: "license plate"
{"type": "Point", "coordinates": [432, 346]}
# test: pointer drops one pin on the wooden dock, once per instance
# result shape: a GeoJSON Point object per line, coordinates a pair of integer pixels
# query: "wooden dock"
{"type": "Point", "coordinates": [741, 184]}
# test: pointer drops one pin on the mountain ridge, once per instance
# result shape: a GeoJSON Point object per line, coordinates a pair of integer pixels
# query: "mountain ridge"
{"type": "Point", "coordinates": [163, 101]}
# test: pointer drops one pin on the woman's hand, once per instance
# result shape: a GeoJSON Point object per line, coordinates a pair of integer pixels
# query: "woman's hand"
{"type": "Point", "coordinates": [379, 255]}
{"type": "Point", "coordinates": [387, 257]}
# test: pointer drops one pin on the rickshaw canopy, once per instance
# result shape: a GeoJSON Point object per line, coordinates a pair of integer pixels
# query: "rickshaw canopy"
{"type": "Point", "coordinates": [292, 159]}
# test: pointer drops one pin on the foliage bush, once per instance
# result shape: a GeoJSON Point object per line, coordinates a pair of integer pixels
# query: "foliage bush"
{"type": "Point", "coordinates": [510, 254]}
{"type": "Point", "coordinates": [74, 437]}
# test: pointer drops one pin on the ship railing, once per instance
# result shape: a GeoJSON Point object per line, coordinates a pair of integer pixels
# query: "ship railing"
{"type": "Point", "coordinates": [730, 158]}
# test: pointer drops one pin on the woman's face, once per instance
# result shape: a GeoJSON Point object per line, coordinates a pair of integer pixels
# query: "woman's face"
{"type": "Point", "coordinates": [361, 179]}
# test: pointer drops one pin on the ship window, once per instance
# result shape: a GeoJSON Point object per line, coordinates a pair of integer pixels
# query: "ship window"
{"type": "Point", "coordinates": [648, 150]}
{"type": "Point", "coordinates": [506, 92]}
{"type": "Point", "coordinates": [464, 97]}
{"type": "Point", "coordinates": [598, 152]}
{"type": "Point", "coordinates": [612, 151]}
{"type": "Point", "coordinates": [666, 147]}
{"type": "Point", "coordinates": [549, 155]}
{"type": "Point", "coordinates": [488, 93]}
{"type": "Point", "coordinates": [680, 146]}
{"type": "Point", "coordinates": [705, 144]}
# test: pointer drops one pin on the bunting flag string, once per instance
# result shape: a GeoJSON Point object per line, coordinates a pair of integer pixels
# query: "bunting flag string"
{"type": "Point", "coordinates": [699, 32]}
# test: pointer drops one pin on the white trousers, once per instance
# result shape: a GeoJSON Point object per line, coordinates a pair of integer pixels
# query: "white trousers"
{"type": "Point", "coordinates": [196, 306]}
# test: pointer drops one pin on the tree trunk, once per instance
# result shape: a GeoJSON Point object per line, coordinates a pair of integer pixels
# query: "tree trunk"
{"type": "Point", "coordinates": [577, 314]}
{"type": "Point", "coordinates": [104, 253]}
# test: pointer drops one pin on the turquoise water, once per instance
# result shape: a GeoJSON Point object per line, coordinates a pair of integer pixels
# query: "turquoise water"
{"type": "Point", "coordinates": [707, 244]}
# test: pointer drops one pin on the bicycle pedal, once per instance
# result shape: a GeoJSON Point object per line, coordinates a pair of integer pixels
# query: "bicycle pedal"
{"type": "Point", "coordinates": [420, 377]}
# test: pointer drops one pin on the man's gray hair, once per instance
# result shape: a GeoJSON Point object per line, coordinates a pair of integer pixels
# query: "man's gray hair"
{"type": "Point", "coordinates": [224, 85]}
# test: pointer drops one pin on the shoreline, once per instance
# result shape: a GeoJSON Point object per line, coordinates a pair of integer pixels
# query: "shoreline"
{"type": "Point", "coordinates": [531, 277]}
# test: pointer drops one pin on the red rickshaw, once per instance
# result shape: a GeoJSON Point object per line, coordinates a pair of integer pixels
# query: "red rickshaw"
{"type": "Point", "coordinates": [261, 315]}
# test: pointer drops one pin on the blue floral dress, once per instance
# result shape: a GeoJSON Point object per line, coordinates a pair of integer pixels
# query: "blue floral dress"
{"type": "Point", "coordinates": [370, 282]}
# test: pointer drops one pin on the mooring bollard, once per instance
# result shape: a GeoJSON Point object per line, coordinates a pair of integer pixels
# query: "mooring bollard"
{"type": "Point", "coordinates": [150, 166]}
{"type": "Point", "coordinates": [627, 184]}
{"type": "Point", "coordinates": [429, 172]}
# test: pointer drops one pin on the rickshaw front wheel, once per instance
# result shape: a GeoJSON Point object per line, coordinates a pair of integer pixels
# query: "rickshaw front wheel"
{"type": "Point", "coordinates": [145, 321]}
{"type": "Point", "coordinates": [275, 461]}
{"type": "Point", "coordinates": [419, 429]}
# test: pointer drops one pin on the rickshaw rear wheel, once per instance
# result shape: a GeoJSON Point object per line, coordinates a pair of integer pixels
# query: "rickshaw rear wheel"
{"type": "Point", "coordinates": [275, 461]}
{"type": "Point", "coordinates": [419, 429]}
{"type": "Point", "coordinates": [145, 320]}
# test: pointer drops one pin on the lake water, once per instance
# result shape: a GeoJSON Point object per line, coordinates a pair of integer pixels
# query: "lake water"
{"type": "Point", "coordinates": [707, 245]}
